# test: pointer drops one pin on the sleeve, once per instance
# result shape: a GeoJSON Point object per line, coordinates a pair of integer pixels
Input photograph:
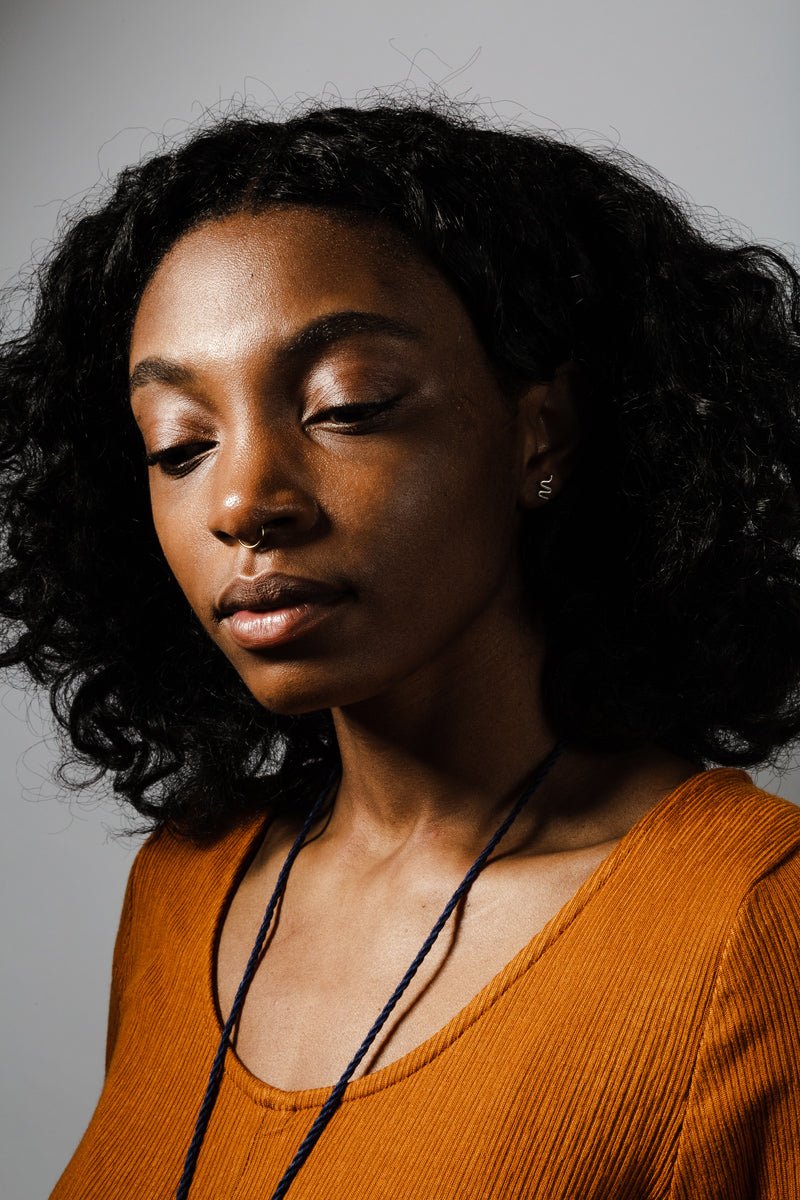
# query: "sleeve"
{"type": "Point", "coordinates": [741, 1134]}
{"type": "Point", "coordinates": [121, 960]}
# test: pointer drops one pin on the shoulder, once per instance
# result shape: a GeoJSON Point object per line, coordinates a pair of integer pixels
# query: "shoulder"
{"type": "Point", "coordinates": [721, 825]}
{"type": "Point", "coordinates": [755, 1012]}
{"type": "Point", "coordinates": [688, 869]}
{"type": "Point", "coordinates": [170, 871]}
{"type": "Point", "coordinates": [770, 912]}
{"type": "Point", "coordinates": [743, 1109]}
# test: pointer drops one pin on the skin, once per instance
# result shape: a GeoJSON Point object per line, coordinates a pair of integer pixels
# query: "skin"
{"type": "Point", "coordinates": [430, 668]}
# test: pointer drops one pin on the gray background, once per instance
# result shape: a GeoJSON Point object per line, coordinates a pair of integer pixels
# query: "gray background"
{"type": "Point", "coordinates": [705, 92]}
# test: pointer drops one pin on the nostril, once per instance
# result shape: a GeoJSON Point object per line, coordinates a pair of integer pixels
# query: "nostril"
{"type": "Point", "coordinates": [254, 544]}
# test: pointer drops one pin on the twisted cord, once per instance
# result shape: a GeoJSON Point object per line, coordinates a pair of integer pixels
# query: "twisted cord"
{"type": "Point", "coordinates": [334, 1099]}
{"type": "Point", "coordinates": [215, 1076]}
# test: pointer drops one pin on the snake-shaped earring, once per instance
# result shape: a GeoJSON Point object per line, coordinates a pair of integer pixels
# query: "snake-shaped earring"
{"type": "Point", "coordinates": [544, 489]}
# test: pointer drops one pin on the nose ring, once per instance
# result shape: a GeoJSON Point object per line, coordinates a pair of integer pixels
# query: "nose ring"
{"type": "Point", "coordinates": [256, 543]}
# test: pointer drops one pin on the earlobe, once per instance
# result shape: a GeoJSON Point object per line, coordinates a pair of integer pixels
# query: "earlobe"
{"type": "Point", "coordinates": [550, 431]}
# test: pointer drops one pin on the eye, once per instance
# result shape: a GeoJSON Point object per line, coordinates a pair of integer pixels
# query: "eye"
{"type": "Point", "coordinates": [180, 459]}
{"type": "Point", "coordinates": [356, 414]}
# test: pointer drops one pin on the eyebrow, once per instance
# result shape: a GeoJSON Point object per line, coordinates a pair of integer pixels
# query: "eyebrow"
{"type": "Point", "coordinates": [324, 331]}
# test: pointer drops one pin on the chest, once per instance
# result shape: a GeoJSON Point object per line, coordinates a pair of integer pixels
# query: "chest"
{"type": "Point", "coordinates": [331, 961]}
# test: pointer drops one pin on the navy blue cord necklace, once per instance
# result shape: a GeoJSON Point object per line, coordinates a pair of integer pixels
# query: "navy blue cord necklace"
{"type": "Point", "coordinates": [334, 1099]}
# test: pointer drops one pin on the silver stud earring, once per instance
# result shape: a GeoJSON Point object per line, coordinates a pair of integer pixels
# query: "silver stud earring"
{"type": "Point", "coordinates": [544, 488]}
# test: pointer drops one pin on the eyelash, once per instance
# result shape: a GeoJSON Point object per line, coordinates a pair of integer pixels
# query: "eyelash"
{"type": "Point", "coordinates": [373, 410]}
{"type": "Point", "coordinates": [174, 462]}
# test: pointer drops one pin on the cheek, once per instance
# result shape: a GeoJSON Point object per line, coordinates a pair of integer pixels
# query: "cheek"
{"type": "Point", "coordinates": [440, 523]}
{"type": "Point", "coordinates": [181, 544]}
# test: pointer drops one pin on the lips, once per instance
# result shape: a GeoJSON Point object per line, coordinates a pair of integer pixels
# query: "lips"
{"type": "Point", "coordinates": [273, 590]}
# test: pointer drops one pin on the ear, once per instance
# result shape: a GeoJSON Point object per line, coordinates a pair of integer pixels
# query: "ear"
{"type": "Point", "coordinates": [551, 417]}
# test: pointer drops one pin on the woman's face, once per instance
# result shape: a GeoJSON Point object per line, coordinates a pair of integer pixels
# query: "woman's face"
{"type": "Point", "coordinates": [257, 344]}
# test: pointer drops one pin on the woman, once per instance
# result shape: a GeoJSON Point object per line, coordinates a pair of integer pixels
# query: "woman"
{"type": "Point", "coordinates": [405, 513]}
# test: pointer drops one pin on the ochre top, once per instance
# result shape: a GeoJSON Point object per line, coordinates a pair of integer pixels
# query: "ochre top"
{"type": "Point", "coordinates": [644, 1045]}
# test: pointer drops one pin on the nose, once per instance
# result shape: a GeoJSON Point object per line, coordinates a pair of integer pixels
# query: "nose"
{"type": "Point", "coordinates": [261, 496]}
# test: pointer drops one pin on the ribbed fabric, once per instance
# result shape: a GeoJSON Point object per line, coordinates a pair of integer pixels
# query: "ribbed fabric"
{"type": "Point", "coordinates": [644, 1045]}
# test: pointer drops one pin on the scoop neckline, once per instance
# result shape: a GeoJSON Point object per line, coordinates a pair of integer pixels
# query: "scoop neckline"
{"type": "Point", "coordinates": [267, 1095]}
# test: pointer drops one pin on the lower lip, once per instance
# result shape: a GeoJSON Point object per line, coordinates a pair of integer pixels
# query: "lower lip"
{"type": "Point", "coordinates": [254, 630]}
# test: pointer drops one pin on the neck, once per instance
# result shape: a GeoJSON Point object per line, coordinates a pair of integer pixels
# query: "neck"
{"type": "Point", "coordinates": [431, 766]}
{"type": "Point", "coordinates": [439, 758]}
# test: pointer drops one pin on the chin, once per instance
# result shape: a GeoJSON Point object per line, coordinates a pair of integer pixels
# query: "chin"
{"type": "Point", "coordinates": [291, 689]}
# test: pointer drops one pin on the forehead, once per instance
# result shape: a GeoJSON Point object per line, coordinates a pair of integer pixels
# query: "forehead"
{"type": "Point", "coordinates": [245, 275]}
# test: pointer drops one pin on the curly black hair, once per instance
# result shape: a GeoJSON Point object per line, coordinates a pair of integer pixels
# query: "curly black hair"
{"type": "Point", "coordinates": [666, 569]}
